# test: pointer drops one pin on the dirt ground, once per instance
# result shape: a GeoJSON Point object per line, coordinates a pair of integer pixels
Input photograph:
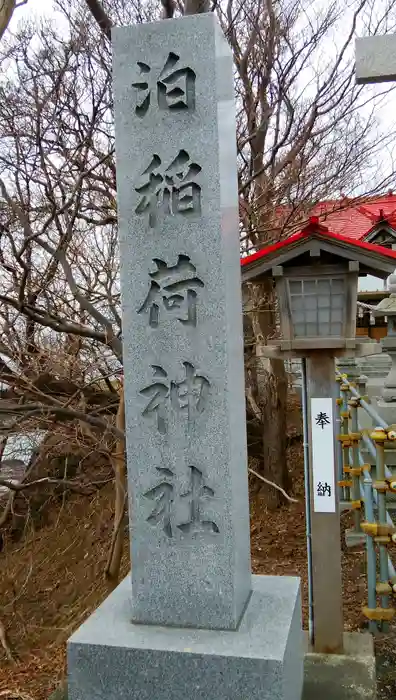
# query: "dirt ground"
{"type": "Point", "coordinates": [52, 580]}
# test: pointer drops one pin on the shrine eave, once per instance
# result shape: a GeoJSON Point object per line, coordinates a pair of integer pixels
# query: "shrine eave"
{"type": "Point", "coordinates": [376, 260]}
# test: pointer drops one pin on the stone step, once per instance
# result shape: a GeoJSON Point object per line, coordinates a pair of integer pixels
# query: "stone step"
{"type": "Point", "coordinates": [375, 365]}
{"type": "Point", "coordinates": [390, 459]}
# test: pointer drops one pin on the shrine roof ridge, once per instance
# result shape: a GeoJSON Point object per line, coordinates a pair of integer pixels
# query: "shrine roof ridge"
{"type": "Point", "coordinates": [316, 230]}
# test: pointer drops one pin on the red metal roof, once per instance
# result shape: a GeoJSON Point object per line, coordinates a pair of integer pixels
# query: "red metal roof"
{"type": "Point", "coordinates": [356, 220]}
{"type": "Point", "coordinates": [315, 227]}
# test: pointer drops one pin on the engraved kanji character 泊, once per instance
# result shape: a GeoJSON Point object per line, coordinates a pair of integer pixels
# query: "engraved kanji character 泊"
{"type": "Point", "coordinates": [143, 86]}
{"type": "Point", "coordinates": [174, 87]}
{"type": "Point", "coordinates": [173, 288]}
{"type": "Point", "coordinates": [172, 191]}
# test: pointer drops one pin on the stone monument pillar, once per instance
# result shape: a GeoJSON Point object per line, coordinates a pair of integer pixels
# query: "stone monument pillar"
{"type": "Point", "coordinates": [182, 324]}
{"type": "Point", "coordinates": [195, 622]}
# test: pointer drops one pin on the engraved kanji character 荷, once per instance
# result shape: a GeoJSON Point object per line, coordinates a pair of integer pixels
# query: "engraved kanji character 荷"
{"type": "Point", "coordinates": [173, 288]}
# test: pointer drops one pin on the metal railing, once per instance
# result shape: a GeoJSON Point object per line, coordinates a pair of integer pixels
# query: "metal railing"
{"type": "Point", "coordinates": [367, 494]}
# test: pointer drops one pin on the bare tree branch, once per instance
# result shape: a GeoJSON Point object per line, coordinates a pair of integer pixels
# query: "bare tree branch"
{"type": "Point", "coordinates": [74, 486]}
{"type": "Point", "coordinates": [43, 411]}
{"type": "Point", "coordinates": [101, 17]}
{"type": "Point", "coordinates": [4, 643]}
{"type": "Point", "coordinates": [275, 486]}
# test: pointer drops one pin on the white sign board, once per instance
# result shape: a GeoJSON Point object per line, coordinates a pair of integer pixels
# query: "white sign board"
{"type": "Point", "coordinates": [323, 482]}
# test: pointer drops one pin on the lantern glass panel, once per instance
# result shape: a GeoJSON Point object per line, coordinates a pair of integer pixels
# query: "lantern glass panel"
{"type": "Point", "coordinates": [323, 286]}
{"type": "Point", "coordinates": [295, 287]}
{"type": "Point", "coordinates": [317, 307]}
{"type": "Point", "coordinates": [323, 315]}
{"type": "Point", "coordinates": [338, 301]}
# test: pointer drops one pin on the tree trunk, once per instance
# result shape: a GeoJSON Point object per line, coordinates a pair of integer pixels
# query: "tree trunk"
{"type": "Point", "coordinates": [113, 566]}
{"type": "Point", "coordinates": [7, 8]}
{"type": "Point", "coordinates": [267, 393]}
{"type": "Point", "coordinates": [272, 392]}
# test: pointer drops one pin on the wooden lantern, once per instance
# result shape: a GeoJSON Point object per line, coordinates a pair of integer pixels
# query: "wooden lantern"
{"type": "Point", "coordinates": [316, 273]}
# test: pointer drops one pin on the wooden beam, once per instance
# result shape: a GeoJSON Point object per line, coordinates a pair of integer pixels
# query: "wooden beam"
{"type": "Point", "coordinates": [326, 535]}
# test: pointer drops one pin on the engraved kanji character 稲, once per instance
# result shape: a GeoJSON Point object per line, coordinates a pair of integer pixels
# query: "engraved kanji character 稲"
{"type": "Point", "coordinates": [172, 191]}
{"type": "Point", "coordinates": [173, 288]}
{"type": "Point", "coordinates": [152, 192]}
{"type": "Point", "coordinates": [186, 193]}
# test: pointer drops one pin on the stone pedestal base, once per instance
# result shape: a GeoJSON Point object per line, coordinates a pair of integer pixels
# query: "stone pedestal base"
{"type": "Point", "coordinates": [110, 658]}
{"type": "Point", "coordinates": [347, 676]}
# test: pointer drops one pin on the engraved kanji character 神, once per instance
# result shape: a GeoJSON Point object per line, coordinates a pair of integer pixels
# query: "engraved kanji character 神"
{"type": "Point", "coordinates": [187, 397]}
{"type": "Point", "coordinates": [159, 392]}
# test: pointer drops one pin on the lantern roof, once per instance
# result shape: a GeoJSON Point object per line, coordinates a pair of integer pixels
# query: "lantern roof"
{"type": "Point", "coordinates": [316, 240]}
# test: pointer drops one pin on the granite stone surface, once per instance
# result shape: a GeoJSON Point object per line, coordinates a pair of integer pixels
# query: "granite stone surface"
{"type": "Point", "coordinates": [111, 658]}
{"type": "Point", "coordinates": [347, 676]}
{"type": "Point", "coordinates": [376, 59]}
{"type": "Point", "coordinates": [182, 323]}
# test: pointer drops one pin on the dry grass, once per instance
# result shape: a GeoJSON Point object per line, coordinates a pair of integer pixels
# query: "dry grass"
{"type": "Point", "coordinates": [50, 583]}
